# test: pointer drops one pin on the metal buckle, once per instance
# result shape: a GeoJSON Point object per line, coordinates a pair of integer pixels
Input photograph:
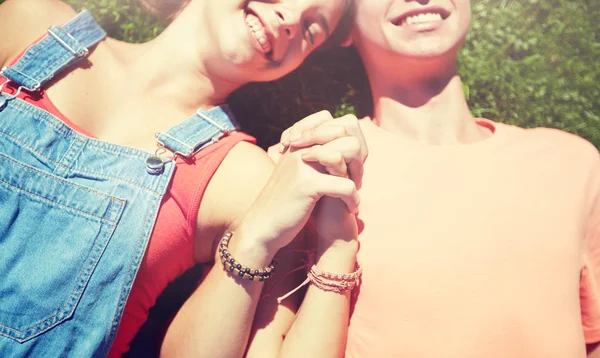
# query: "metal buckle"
{"type": "Point", "coordinates": [224, 130]}
{"type": "Point", "coordinates": [5, 98]}
{"type": "Point", "coordinates": [35, 88]}
{"type": "Point", "coordinates": [78, 53]}
{"type": "Point", "coordinates": [156, 163]}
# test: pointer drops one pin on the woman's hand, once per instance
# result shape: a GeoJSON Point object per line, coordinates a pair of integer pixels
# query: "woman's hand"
{"type": "Point", "coordinates": [325, 158]}
{"type": "Point", "coordinates": [287, 200]}
{"type": "Point", "coordinates": [343, 134]}
{"type": "Point", "coordinates": [332, 141]}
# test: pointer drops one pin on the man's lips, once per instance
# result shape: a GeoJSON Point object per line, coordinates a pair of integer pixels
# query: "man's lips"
{"type": "Point", "coordinates": [420, 16]}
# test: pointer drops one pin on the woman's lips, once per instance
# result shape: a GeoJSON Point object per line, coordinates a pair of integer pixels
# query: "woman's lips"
{"type": "Point", "coordinates": [259, 32]}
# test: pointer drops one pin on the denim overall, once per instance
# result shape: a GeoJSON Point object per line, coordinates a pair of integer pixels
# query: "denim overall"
{"type": "Point", "coordinates": [76, 213]}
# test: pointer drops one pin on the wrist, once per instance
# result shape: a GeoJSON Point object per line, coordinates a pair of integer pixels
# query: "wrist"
{"type": "Point", "coordinates": [238, 269]}
{"type": "Point", "coordinates": [337, 256]}
{"type": "Point", "coordinates": [262, 230]}
{"type": "Point", "coordinates": [248, 248]}
{"type": "Point", "coordinates": [340, 244]}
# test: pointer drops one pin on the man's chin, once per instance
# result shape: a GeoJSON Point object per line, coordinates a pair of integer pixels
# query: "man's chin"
{"type": "Point", "coordinates": [425, 50]}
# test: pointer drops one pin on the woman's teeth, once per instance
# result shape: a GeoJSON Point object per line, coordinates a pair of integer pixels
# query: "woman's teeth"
{"type": "Point", "coordinates": [259, 32]}
{"type": "Point", "coordinates": [421, 18]}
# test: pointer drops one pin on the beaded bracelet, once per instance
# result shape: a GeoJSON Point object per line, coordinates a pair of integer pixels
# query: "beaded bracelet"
{"type": "Point", "coordinates": [238, 270]}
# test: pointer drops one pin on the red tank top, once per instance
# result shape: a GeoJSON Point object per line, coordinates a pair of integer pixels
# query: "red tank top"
{"type": "Point", "coordinates": [170, 250]}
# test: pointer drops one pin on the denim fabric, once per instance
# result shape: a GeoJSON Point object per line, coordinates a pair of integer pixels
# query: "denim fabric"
{"type": "Point", "coordinates": [76, 213]}
{"type": "Point", "coordinates": [202, 129]}
{"type": "Point", "coordinates": [55, 52]}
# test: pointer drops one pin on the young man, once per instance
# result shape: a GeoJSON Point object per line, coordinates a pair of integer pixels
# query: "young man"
{"type": "Point", "coordinates": [480, 239]}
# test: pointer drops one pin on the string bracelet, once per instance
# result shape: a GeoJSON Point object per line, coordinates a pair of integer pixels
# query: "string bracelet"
{"type": "Point", "coordinates": [236, 269]}
{"type": "Point", "coordinates": [327, 281]}
{"type": "Point", "coordinates": [334, 282]}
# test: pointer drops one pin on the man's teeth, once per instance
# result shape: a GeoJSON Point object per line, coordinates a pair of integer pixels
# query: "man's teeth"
{"type": "Point", "coordinates": [259, 32]}
{"type": "Point", "coordinates": [421, 18]}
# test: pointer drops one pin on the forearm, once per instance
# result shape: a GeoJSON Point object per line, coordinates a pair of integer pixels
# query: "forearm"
{"type": "Point", "coordinates": [216, 320]}
{"type": "Point", "coordinates": [321, 326]}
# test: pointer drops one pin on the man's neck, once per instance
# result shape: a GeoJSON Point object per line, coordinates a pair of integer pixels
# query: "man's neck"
{"type": "Point", "coordinates": [424, 107]}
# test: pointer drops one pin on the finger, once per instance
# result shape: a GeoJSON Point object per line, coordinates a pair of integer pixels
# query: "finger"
{"type": "Point", "coordinates": [322, 134]}
{"type": "Point", "coordinates": [353, 128]}
{"type": "Point", "coordinates": [330, 130]}
{"type": "Point", "coordinates": [356, 166]}
{"type": "Point", "coordinates": [284, 140]}
{"type": "Point", "coordinates": [310, 122]}
{"type": "Point", "coordinates": [342, 188]}
{"type": "Point", "coordinates": [332, 160]}
{"type": "Point", "coordinates": [349, 121]}
{"type": "Point", "coordinates": [350, 150]}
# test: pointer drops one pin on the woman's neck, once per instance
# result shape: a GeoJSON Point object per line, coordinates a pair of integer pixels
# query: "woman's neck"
{"type": "Point", "coordinates": [172, 70]}
{"type": "Point", "coordinates": [133, 91]}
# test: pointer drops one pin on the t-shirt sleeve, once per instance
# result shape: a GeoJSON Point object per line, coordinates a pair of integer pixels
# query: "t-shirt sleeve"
{"type": "Point", "coordinates": [589, 290]}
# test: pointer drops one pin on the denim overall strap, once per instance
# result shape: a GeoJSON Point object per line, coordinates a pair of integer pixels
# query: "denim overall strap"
{"type": "Point", "coordinates": [60, 48]}
{"type": "Point", "coordinates": [76, 213]}
{"type": "Point", "coordinates": [203, 128]}
{"type": "Point", "coordinates": [190, 136]}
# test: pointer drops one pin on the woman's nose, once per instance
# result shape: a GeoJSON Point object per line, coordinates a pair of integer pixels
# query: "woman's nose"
{"type": "Point", "coordinates": [289, 20]}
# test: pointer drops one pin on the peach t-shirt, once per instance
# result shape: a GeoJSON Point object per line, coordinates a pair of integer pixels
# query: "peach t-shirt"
{"type": "Point", "coordinates": [482, 250]}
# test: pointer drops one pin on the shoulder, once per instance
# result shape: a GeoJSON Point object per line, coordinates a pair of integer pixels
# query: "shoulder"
{"type": "Point", "coordinates": [553, 142]}
{"type": "Point", "coordinates": [242, 175]}
{"type": "Point", "coordinates": [556, 152]}
{"type": "Point", "coordinates": [247, 158]}
{"type": "Point", "coordinates": [24, 21]}
{"type": "Point", "coordinates": [570, 144]}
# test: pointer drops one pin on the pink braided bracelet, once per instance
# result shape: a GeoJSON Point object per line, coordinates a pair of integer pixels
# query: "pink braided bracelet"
{"type": "Point", "coordinates": [330, 282]}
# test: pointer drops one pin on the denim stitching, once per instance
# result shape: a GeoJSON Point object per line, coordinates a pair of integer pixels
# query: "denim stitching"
{"type": "Point", "coordinates": [69, 306]}
{"type": "Point", "coordinates": [17, 102]}
{"type": "Point", "coordinates": [78, 171]}
{"type": "Point", "coordinates": [69, 157]}
{"type": "Point", "coordinates": [52, 68]}
{"type": "Point", "coordinates": [90, 35]}
{"type": "Point", "coordinates": [91, 142]}
{"type": "Point", "coordinates": [130, 277]}
{"type": "Point", "coordinates": [65, 207]}
{"type": "Point", "coordinates": [26, 145]}
{"type": "Point", "coordinates": [61, 180]}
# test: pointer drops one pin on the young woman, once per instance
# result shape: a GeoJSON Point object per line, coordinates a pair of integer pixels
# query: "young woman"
{"type": "Point", "coordinates": [121, 168]}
